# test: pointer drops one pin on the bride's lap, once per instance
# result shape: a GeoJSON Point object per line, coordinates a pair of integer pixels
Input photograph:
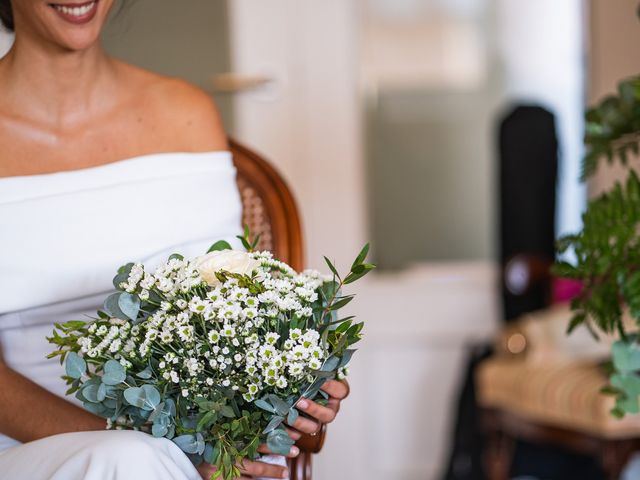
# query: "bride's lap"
{"type": "Point", "coordinates": [102, 455]}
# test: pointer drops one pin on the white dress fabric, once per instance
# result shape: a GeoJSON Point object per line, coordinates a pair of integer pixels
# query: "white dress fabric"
{"type": "Point", "coordinates": [62, 238]}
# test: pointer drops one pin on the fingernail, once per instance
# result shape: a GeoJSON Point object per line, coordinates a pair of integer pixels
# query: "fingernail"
{"type": "Point", "coordinates": [285, 474]}
{"type": "Point", "coordinates": [294, 451]}
{"type": "Point", "coordinates": [303, 403]}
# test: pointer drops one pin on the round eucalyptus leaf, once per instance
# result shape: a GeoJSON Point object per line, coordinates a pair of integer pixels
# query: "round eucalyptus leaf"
{"type": "Point", "coordinates": [90, 392]}
{"type": "Point", "coordinates": [279, 442]}
{"type": "Point", "coordinates": [170, 406]}
{"type": "Point", "coordinates": [135, 396]}
{"type": "Point", "coordinates": [200, 445]}
{"type": "Point", "coordinates": [96, 408]}
{"type": "Point", "coordinates": [146, 397]}
{"type": "Point", "coordinates": [159, 430]}
{"type": "Point", "coordinates": [274, 423]}
{"type": "Point", "coordinates": [102, 392]}
{"type": "Point", "coordinates": [188, 443]}
{"type": "Point", "coordinates": [152, 396]}
{"type": "Point", "coordinates": [145, 374]}
{"type": "Point", "coordinates": [112, 308]}
{"type": "Point", "coordinates": [74, 365]}
{"type": "Point", "coordinates": [114, 373]}
{"type": "Point", "coordinates": [157, 412]}
{"type": "Point", "coordinates": [129, 304]}
{"type": "Point", "coordinates": [208, 453]}
{"type": "Point", "coordinates": [626, 356]}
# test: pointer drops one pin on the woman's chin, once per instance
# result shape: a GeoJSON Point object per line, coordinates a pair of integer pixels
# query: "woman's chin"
{"type": "Point", "coordinates": [77, 43]}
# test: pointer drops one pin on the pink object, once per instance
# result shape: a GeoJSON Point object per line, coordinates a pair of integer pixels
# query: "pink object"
{"type": "Point", "coordinates": [564, 289]}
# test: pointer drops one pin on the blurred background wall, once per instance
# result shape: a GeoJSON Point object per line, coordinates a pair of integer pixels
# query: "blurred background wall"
{"type": "Point", "coordinates": [614, 35]}
{"type": "Point", "coordinates": [383, 115]}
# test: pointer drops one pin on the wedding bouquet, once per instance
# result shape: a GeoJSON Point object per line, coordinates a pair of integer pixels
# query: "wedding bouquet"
{"type": "Point", "coordinates": [213, 352]}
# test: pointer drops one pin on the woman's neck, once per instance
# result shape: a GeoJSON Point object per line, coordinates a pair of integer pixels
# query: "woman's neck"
{"type": "Point", "coordinates": [56, 87]}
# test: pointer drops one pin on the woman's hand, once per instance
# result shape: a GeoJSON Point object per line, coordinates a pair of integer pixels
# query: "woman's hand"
{"type": "Point", "coordinates": [338, 390]}
{"type": "Point", "coordinates": [255, 469]}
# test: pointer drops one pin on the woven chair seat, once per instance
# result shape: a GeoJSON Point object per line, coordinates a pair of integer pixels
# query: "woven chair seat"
{"type": "Point", "coordinates": [565, 395]}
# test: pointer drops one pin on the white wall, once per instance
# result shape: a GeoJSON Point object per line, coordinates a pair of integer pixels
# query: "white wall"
{"type": "Point", "coordinates": [307, 122]}
{"type": "Point", "coordinates": [541, 49]}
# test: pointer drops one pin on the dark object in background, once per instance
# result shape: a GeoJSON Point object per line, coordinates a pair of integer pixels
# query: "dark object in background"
{"type": "Point", "coordinates": [528, 152]}
{"type": "Point", "coordinates": [543, 462]}
{"type": "Point", "coordinates": [466, 457]}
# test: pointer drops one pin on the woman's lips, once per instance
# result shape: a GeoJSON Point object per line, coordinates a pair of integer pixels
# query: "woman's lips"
{"type": "Point", "coordinates": [77, 13]}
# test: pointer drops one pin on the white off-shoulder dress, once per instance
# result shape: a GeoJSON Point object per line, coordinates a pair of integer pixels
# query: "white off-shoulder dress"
{"type": "Point", "coordinates": [62, 238]}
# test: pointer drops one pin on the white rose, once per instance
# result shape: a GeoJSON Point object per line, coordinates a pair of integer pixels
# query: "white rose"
{"type": "Point", "coordinates": [232, 261]}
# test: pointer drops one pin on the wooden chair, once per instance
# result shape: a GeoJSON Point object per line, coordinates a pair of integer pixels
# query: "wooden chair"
{"type": "Point", "coordinates": [546, 402]}
{"type": "Point", "coordinates": [270, 211]}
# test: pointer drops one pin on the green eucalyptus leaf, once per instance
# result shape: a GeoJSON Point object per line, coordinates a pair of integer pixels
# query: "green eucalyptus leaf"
{"type": "Point", "coordinates": [75, 366]}
{"type": "Point", "coordinates": [145, 374]}
{"type": "Point", "coordinates": [114, 373]}
{"type": "Point", "coordinates": [159, 430]}
{"type": "Point", "coordinates": [293, 416]}
{"type": "Point", "coordinates": [112, 307]}
{"type": "Point", "coordinates": [188, 443]}
{"type": "Point", "coordinates": [281, 407]}
{"type": "Point", "coordinates": [279, 442]}
{"type": "Point", "coordinates": [330, 364]}
{"type": "Point", "coordinates": [274, 423]}
{"type": "Point", "coordinates": [264, 405]}
{"type": "Point", "coordinates": [129, 304]}
{"type": "Point", "coordinates": [346, 358]}
{"type": "Point", "coordinates": [626, 356]}
{"type": "Point", "coordinates": [90, 392]}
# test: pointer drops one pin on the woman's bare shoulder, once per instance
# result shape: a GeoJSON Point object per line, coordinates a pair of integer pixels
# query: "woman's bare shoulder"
{"type": "Point", "coordinates": [187, 112]}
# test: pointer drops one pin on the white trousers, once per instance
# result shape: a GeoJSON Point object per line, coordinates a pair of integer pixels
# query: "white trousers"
{"type": "Point", "coordinates": [101, 455]}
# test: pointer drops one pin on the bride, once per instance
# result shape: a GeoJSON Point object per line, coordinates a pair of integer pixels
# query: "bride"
{"type": "Point", "coordinates": [89, 146]}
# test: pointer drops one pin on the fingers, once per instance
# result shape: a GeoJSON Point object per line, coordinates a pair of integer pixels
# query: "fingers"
{"type": "Point", "coordinates": [293, 453]}
{"type": "Point", "coordinates": [251, 469]}
{"type": "Point", "coordinates": [337, 389]}
{"type": "Point", "coordinates": [306, 425]}
{"type": "Point", "coordinates": [295, 435]}
{"type": "Point", "coordinates": [206, 470]}
{"type": "Point", "coordinates": [317, 411]}
{"type": "Point", "coordinates": [260, 469]}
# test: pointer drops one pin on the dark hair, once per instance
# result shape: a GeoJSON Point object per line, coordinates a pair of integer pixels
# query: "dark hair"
{"type": "Point", "coordinates": [6, 14]}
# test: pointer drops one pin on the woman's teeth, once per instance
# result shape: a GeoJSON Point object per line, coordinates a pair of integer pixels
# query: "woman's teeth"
{"type": "Point", "coordinates": [75, 11]}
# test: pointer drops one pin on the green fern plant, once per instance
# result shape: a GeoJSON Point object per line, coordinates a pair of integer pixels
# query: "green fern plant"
{"type": "Point", "coordinates": [607, 250]}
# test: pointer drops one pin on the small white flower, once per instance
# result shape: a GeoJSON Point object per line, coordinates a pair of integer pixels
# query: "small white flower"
{"type": "Point", "coordinates": [272, 338]}
{"type": "Point", "coordinates": [315, 364]}
{"type": "Point", "coordinates": [181, 304]}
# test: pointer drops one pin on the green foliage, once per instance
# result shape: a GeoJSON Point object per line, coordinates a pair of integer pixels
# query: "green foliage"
{"type": "Point", "coordinates": [221, 427]}
{"type": "Point", "coordinates": [607, 249]}
{"type": "Point", "coordinates": [607, 254]}
{"type": "Point", "coordinates": [612, 129]}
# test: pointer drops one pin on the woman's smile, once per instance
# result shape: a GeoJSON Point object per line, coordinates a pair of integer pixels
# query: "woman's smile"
{"type": "Point", "coordinates": [77, 13]}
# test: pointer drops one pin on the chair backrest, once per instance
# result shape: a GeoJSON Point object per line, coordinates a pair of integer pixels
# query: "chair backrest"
{"type": "Point", "coordinates": [268, 206]}
{"type": "Point", "coordinates": [270, 211]}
